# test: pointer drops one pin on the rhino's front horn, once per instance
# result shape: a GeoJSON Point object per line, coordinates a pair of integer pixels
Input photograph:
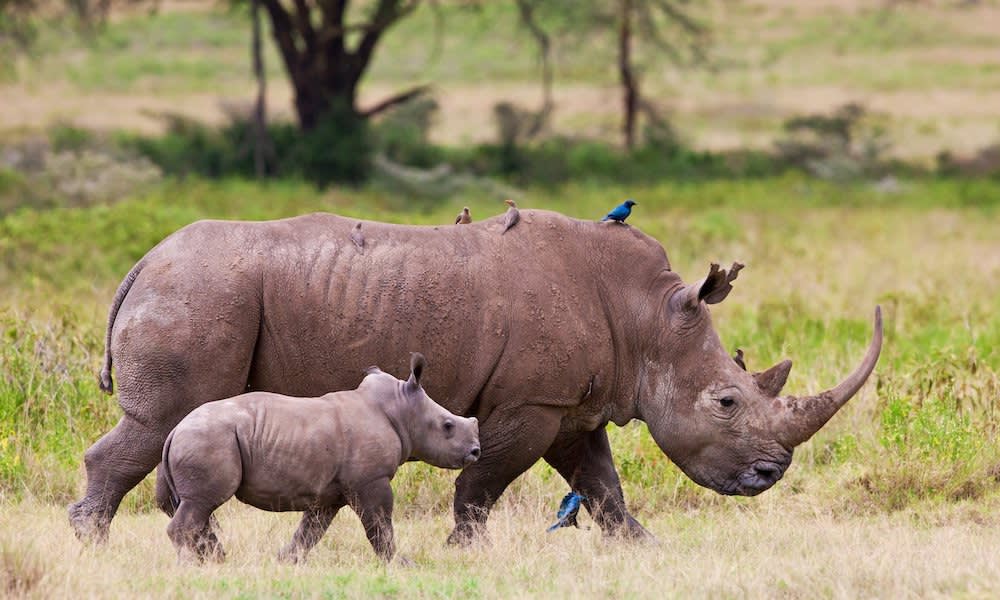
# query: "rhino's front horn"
{"type": "Point", "coordinates": [802, 417]}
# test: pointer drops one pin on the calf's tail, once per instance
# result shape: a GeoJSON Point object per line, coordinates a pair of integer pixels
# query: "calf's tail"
{"type": "Point", "coordinates": [107, 385]}
{"type": "Point", "coordinates": [168, 479]}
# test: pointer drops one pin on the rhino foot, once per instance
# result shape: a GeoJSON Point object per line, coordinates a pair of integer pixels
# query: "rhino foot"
{"type": "Point", "coordinates": [631, 531]}
{"type": "Point", "coordinates": [403, 561]}
{"type": "Point", "coordinates": [90, 526]}
{"type": "Point", "coordinates": [469, 534]}
{"type": "Point", "coordinates": [291, 555]}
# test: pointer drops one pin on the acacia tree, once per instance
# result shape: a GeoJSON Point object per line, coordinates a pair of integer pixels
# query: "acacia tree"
{"type": "Point", "coordinates": [326, 55]}
{"type": "Point", "coordinates": [664, 26]}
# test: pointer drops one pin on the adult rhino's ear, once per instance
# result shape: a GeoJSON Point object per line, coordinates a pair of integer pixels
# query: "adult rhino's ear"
{"type": "Point", "coordinates": [713, 288]}
{"type": "Point", "coordinates": [772, 380]}
{"type": "Point", "coordinates": [372, 370]}
{"type": "Point", "coordinates": [417, 364]}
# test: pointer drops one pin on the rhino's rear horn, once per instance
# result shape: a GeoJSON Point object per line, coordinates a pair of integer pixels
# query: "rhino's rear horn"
{"type": "Point", "coordinates": [417, 364]}
{"type": "Point", "coordinates": [772, 380]}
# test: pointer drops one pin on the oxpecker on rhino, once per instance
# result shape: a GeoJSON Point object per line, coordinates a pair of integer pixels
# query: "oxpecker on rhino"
{"type": "Point", "coordinates": [549, 335]}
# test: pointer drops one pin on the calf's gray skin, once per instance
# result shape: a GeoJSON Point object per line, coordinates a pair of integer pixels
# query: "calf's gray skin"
{"type": "Point", "coordinates": [315, 455]}
{"type": "Point", "coordinates": [551, 331]}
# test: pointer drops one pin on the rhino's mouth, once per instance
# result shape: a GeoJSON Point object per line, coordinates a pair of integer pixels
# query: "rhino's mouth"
{"type": "Point", "coordinates": [760, 476]}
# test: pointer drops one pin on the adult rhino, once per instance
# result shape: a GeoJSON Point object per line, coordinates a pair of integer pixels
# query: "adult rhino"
{"type": "Point", "coordinates": [550, 332]}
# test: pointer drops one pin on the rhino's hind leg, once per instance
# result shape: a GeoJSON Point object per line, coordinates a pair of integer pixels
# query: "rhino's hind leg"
{"type": "Point", "coordinates": [192, 533]}
{"type": "Point", "coordinates": [311, 529]}
{"type": "Point", "coordinates": [584, 460]}
{"type": "Point", "coordinates": [115, 464]}
{"type": "Point", "coordinates": [511, 443]}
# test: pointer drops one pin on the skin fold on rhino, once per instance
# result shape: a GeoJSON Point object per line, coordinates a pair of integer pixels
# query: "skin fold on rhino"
{"type": "Point", "coordinates": [545, 334]}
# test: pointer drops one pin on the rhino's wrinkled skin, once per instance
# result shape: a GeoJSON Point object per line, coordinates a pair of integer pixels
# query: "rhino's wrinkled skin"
{"type": "Point", "coordinates": [545, 334]}
{"type": "Point", "coordinates": [314, 455]}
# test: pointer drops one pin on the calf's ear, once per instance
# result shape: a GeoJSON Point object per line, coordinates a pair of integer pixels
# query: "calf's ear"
{"type": "Point", "coordinates": [417, 364]}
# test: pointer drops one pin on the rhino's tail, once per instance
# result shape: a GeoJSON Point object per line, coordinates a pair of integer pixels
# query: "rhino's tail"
{"type": "Point", "coordinates": [107, 385]}
{"type": "Point", "coordinates": [175, 500]}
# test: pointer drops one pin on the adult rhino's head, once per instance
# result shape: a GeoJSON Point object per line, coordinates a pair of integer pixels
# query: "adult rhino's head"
{"type": "Point", "coordinates": [728, 429]}
{"type": "Point", "coordinates": [436, 435]}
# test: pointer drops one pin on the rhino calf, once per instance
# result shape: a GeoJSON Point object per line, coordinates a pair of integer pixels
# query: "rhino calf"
{"type": "Point", "coordinates": [316, 455]}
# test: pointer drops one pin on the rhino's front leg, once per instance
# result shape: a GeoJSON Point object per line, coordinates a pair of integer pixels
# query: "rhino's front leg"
{"type": "Point", "coordinates": [512, 441]}
{"type": "Point", "coordinates": [311, 529]}
{"type": "Point", "coordinates": [373, 504]}
{"type": "Point", "coordinates": [584, 460]}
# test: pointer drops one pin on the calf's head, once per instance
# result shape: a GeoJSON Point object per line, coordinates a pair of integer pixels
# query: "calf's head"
{"type": "Point", "coordinates": [436, 435]}
{"type": "Point", "coordinates": [728, 429]}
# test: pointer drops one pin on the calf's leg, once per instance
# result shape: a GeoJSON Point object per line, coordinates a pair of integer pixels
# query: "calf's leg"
{"type": "Point", "coordinates": [311, 529]}
{"type": "Point", "coordinates": [373, 504]}
{"type": "Point", "coordinates": [191, 532]}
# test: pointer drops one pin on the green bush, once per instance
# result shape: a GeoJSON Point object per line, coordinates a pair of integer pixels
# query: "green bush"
{"type": "Point", "coordinates": [338, 149]}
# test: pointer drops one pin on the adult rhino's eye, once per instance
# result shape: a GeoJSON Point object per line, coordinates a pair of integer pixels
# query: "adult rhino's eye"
{"type": "Point", "coordinates": [727, 401]}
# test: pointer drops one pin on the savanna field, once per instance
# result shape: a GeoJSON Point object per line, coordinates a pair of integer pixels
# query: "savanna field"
{"type": "Point", "coordinates": [898, 496]}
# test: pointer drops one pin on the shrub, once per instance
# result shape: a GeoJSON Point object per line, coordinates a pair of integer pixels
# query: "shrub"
{"type": "Point", "coordinates": [338, 149]}
{"type": "Point", "coordinates": [847, 144]}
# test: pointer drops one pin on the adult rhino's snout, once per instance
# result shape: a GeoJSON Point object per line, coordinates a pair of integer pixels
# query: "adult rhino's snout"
{"type": "Point", "coordinates": [761, 476]}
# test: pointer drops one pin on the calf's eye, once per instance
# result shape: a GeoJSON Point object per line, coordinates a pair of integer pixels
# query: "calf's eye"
{"type": "Point", "coordinates": [449, 425]}
{"type": "Point", "coordinates": [727, 401]}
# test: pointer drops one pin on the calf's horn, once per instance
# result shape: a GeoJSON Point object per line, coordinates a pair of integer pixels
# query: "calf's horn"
{"type": "Point", "coordinates": [801, 417]}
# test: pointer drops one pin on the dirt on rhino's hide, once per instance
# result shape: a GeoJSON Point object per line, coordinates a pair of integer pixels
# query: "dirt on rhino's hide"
{"type": "Point", "coordinates": [545, 334]}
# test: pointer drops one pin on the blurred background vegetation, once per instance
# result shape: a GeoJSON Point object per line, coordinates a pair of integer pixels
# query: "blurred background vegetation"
{"type": "Point", "coordinates": [846, 151]}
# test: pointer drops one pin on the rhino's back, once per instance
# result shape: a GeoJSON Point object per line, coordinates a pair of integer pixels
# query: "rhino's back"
{"type": "Point", "coordinates": [293, 451]}
{"type": "Point", "coordinates": [310, 310]}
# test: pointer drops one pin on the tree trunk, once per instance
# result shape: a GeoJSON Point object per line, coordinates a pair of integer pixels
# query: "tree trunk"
{"type": "Point", "coordinates": [630, 85]}
{"type": "Point", "coordinates": [261, 143]}
{"type": "Point", "coordinates": [323, 70]}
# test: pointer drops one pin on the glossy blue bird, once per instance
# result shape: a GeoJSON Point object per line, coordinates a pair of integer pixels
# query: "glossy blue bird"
{"type": "Point", "coordinates": [568, 509]}
{"type": "Point", "coordinates": [620, 212]}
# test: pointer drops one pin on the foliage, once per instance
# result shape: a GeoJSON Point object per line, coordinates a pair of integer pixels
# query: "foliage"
{"type": "Point", "coordinates": [847, 144]}
{"type": "Point", "coordinates": [72, 167]}
{"type": "Point", "coordinates": [337, 149]}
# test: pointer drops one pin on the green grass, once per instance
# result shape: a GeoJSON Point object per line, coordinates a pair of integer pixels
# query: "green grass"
{"type": "Point", "coordinates": [910, 467]}
{"type": "Point", "coordinates": [819, 258]}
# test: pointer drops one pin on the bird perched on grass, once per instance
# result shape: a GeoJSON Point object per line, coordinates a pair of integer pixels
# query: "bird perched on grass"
{"type": "Point", "coordinates": [464, 217]}
{"type": "Point", "coordinates": [358, 238]}
{"type": "Point", "coordinates": [568, 509]}
{"type": "Point", "coordinates": [512, 216]}
{"type": "Point", "coordinates": [620, 212]}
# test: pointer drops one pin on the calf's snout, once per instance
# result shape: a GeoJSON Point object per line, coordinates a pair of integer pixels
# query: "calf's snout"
{"type": "Point", "coordinates": [472, 456]}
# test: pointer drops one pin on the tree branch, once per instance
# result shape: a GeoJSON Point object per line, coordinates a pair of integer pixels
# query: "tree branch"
{"type": "Point", "coordinates": [386, 13]}
{"type": "Point", "coordinates": [303, 22]}
{"type": "Point", "coordinates": [527, 10]}
{"type": "Point", "coordinates": [281, 29]}
{"type": "Point", "coordinates": [395, 99]}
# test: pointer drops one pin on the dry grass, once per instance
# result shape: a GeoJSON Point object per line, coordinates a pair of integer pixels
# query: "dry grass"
{"type": "Point", "coordinates": [777, 547]}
